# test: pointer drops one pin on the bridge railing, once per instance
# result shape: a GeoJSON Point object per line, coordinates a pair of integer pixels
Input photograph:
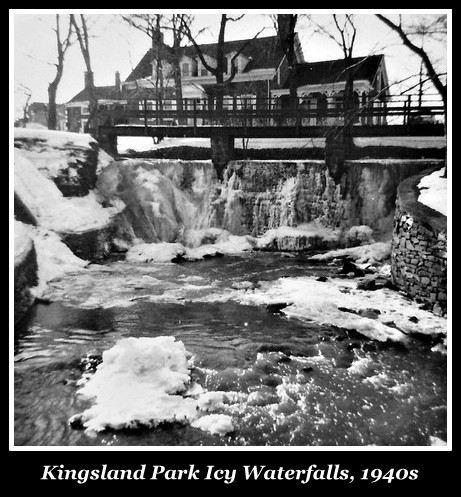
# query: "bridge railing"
{"type": "Point", "coordinates": [252, 112]}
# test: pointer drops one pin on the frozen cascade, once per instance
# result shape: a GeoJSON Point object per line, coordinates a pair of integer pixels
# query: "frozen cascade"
{"type": "Point", "coordinates": [167, 201]}
{"type": "Point", "coordinates": [274, 193]}
{"type": "Point", "coordinates": [183, 201]}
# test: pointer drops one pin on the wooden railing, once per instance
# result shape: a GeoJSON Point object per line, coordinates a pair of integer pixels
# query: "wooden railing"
{"type": "Point", "coordinates": [253, 112]}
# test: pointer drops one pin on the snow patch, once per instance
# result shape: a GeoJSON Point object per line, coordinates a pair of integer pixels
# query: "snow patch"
{"type": "Point", "coordinates": [216, 424]}
{"type": "Point", "coordinates": [321, 302]}
{"type": "Point", "coordinates": [22, 242]}
{"type": "Point", "coordinates": [433, 191]}
{"type": "Point", "coordinates": [155, 252]}
{"type": "Point", "coordinates": [54, 258]}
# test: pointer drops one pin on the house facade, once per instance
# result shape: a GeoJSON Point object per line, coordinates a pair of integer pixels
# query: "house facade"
{"type": "Point", "coordinates": [262, 78]}
{"type": "Point", "coordinates": [321, 86]}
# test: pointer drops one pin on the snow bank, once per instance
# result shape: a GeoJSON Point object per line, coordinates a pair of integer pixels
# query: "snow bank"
{"type": "Point", "coordinates": [50, 208]}
{"type": "Point", "coordinates": [144, 382]}
{"type": "Point", "coordinates": [433, 191]}
{"type": "Point", "coordinates": [339, 303]}
{"type": "Point", "coordinates": [371, 254]}
{"type": "Point", "coordinates": [58, 139]}
{"type": "Point", "coordinates": [22, 242]}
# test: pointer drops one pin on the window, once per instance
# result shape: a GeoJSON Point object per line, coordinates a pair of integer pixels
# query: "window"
{"type": "Point", "coordinates": [185, 69]}
{"type": "Point", "coordinates": [85, 110]}
{"type": "Point", "coordinates": [203, 72]}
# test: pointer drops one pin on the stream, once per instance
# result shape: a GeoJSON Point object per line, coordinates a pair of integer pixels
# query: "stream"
{"type": "Point", "coordinates": [294, 382]}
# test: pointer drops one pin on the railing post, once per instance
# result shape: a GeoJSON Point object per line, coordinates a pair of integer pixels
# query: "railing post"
{"type": "Point", "coordinates": [297, 116]}
{"type": "Point", "coordinates": [408, 108]}
{"type": "Point", "coordinates": [195, 113]}
{"type": "Point", "coordinates": [145, 115]}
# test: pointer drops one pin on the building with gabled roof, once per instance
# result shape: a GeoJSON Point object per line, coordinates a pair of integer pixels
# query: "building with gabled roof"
{"type": "Point", "coordinates": [262, 77]}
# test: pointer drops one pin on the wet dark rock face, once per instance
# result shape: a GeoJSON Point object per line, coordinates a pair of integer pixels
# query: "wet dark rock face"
{"type": "Point", "coordinates": [25, 277]}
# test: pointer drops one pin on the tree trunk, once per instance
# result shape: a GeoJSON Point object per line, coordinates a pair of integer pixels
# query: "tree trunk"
{"type": "Point", "coordinates": [52, 110]}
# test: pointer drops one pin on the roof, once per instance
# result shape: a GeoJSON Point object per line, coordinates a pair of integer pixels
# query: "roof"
{"type": "Point", "coordinates": [332, 71]}
{"type": "Point", "coordinates": [114, 93]}
{"type": "Point", "coordinates": [101, 93]}
{"type": "Point", "coordinates": [263, 53]}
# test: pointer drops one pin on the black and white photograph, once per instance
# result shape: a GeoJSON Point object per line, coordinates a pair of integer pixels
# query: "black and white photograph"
{"type": "Point", "coordinates": [230, 229]}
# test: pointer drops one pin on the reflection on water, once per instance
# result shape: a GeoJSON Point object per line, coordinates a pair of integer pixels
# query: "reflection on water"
{"type": "Point", "coordinates": [294, 383]}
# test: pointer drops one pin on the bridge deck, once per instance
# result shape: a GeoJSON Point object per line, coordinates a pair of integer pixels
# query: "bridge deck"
{"type": "Point", "coordinates": [204, 131]}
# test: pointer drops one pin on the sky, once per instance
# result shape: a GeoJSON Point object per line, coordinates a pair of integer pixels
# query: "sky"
{"type": "Point", "coordinates": [119, 47]}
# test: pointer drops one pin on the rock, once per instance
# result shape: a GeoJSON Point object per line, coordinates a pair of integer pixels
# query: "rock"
{"type": "Point", "coordinates": [350, 267]}
{"type": "Point", "coordinates": [271, 381]}
{"type": "Point", "coordinates": [413, 319]}
{"type": "Point", "coordinates": [90, 362]}
{"type": "Point", "coordinates": [307, 369]}
{"type": "Point", "coordinates": [277, 308]}
{"type": "Point", "coordinates": [275, 347]}
{"type": "Point", "coordinates": [283, 359]}
{"type": "Point", "coordinates": [353, 345]}
{"type": "Point", "coordinates": [366, 284]}
{"type": "Point", "coordinates": [322, 279]}
{"type": "Point", "coordinates": [76, 422]}
{"type": "Point", "coordinates": [369, 313]}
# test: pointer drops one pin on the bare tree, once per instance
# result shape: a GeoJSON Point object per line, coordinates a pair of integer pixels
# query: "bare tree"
{"type": "Point", "coordinates": [178, 24]}
{"type": "Point", "coordinates": [61, 47]}
{"type": "Point", "coordinates": [285, 25]}
{"type": "Point", "coordinates": [81, 30]}
{"type": "Point", "coordinates": [220, 69]}
{"type": "Point", "coordinates": [25, 106]}
{"type": "Point", "coordinates": [151, 25]}
{"type": "Point", "coordinates": [344, 35]}
{"type": "Point", "coordinates": [436, 28]}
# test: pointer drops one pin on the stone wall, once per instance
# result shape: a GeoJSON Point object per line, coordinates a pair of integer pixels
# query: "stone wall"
{"type": "Point", "coordinates": [419, 248]}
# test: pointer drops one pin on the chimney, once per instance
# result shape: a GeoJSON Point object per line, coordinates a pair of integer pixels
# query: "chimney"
{"type": "Point", "coordinates": [157, 38]}
{"type": "Point", "coordinates": [117, 79]}
{"type": "Point", "coordinates": [89, 79]}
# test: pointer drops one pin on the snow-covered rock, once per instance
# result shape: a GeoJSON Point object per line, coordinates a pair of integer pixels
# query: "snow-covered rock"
{"type": "Point", "coordinates": [71, 160]}
{"type": "Point", "coordinates": [145, 382]}
{"type": "Point", "coordinates": [304, 237]}
{"type": "Point", "coordinates": [49, 208]}
{"type": "Point", "coordinates": [370, 254]}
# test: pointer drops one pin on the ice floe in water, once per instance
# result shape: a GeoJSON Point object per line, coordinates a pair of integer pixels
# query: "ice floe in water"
{"type": "Point", "coordinates": [338, 302]}
{"type": "Point", "coordinates": [145, 382]}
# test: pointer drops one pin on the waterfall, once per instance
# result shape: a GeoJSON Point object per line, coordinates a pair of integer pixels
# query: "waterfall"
{"type": "Point", "coordinates": [184, 201]}
{"type": "Point", "coordinates": [167, 200]}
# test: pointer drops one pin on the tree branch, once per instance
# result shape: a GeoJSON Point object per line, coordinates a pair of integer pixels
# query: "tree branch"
{"type": "Point", "coordinates": [440, 87]}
